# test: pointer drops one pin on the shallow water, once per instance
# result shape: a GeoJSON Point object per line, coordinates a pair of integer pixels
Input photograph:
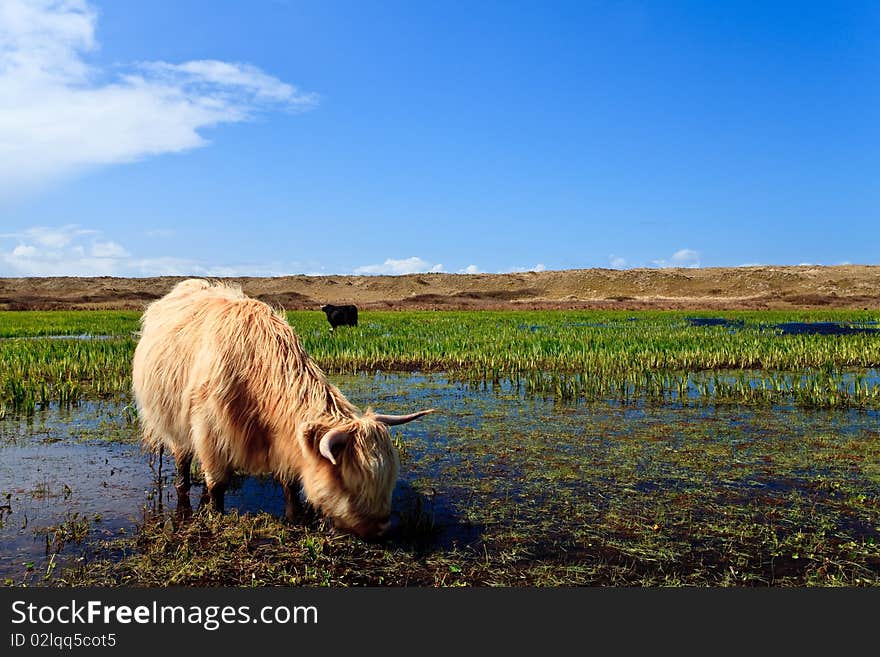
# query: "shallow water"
{"type": "Point", "coordinates": [715, 321]}
{"type": "Point", "coordinates": [83, 336]}
{"type": "Point", "coordinates": [825, 328]}
{"type": "Point", "coordinates": [491, 461]}
{"type": "Point", "coordinates": [790, 328]}
{"type": "Point", "coordinates": [783, 328]}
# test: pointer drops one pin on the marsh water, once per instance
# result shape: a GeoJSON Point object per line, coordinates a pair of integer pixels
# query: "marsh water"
{"type": "Point", "coordinates": [792, 328]}
{"type": "Point", "coordinates": [492, 463]}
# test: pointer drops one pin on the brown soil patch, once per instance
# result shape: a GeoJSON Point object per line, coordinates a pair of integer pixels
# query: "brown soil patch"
{"type": "Point", "coordinates": [770, 287]}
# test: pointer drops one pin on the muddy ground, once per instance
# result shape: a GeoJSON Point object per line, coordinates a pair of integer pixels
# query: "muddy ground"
{"type": "Point", "coordinates": [736, 288]}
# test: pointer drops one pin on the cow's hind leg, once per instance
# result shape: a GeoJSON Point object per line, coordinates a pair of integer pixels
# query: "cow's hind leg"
{"type": "Point", "coordinates": [217, 477]}
{"type": "Point", "coordinates": [215, 490]}
{"type": "Point", "coordinates": [215, 466]}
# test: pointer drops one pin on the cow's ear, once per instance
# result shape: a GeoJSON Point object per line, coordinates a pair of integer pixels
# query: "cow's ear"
{"type": "Point", "coordinates": [332, 443]}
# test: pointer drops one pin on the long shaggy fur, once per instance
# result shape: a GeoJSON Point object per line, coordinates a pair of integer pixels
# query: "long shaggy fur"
{"type": "Point", "coordinates": [223, 377]}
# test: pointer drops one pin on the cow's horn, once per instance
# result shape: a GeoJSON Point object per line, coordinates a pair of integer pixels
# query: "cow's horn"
{"type": "Point", "coordinates": [331, 439]}
{"type": "Point", "coordinates": [392, 420]}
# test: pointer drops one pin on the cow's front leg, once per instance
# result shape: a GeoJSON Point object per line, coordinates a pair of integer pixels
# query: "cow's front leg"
{"type": "Point", "coordinates": [293, 508]}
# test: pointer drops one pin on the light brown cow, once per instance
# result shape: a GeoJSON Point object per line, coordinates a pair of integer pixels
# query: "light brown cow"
{"type": "Point", "coordinates": [223, 377]}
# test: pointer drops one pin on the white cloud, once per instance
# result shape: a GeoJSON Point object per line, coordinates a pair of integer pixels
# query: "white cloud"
{"type": "Point", "coordinates": [686, 258]}
{"type": "Point", "coordinates": [239, 77]}
{"type": "Point", "coordinates": [74, 251]}
{"type": "Point", "coordinates": [54, 238]}
{"type": "Point", "coordinates": [61, 251]}
{"type": "Point", "coordinates": [24, 251]}
{"type": "Point", "coordinates": [59, 114]}
{"type": "Point", "coordinates": [616, 261]}
{"type": "Point", "coordinates": [413, 265]}
{"type": "Point", "coordinates": [470, 269]}
{"type": "Point", "coordinates": [519, 270]}
{"type": "Point", "coordinates": [682, 258]}
{"type": "Point", "coordinates": [108, 250]}
{"type": "Point", "coordinates": [222, 271]}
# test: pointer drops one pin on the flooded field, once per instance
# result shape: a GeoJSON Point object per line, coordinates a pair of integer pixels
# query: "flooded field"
{"type": "Point", "coordinates": [581, 448]}
{"type": "Point", "coordinates": [597, 492]}
{"type": "Point", "coordinates": [71, 477]}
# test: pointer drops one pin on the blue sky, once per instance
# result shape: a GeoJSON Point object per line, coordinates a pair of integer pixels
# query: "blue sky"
{"type": "Point", "coordinates": [270, 137]}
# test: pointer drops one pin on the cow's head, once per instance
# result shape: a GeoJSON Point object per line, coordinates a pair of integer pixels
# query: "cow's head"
{"type": "Point", "coordinates": [355, 467]}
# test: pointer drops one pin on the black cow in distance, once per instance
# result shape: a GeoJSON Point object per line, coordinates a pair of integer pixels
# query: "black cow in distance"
{"type": "Point", "coordinates": [341, 315]}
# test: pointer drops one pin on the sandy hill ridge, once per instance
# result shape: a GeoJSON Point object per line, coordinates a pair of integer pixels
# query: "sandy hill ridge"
{"type": "Point", "coordinates": [844, 286]}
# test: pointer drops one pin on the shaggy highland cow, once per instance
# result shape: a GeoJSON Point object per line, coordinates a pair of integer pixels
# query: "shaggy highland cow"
{"type": "Point", "coordinates": [223, 377]}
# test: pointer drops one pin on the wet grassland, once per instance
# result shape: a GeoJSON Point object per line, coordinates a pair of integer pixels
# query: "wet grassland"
{"type": "Point", "coordinates": [572, 448]}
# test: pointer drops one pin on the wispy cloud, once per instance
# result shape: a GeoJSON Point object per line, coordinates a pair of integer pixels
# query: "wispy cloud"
{"type": "Point", "coordinates": [470, 269]}
{"type": "Point", "coordinates": [681, 258]}
{"type": "Point", "coordinates": [108, 250]}
{"type": "Point", "coordinates": [413, 265]}
{"type": "Point", "coordinates": [71, 250]}
{"type": "Point", "coordinates": [62, 251]}
{"type": "Point", "coordinates": [53, 238]}
{"type": "Point", "coordinates": [59, 114]}
{"type": "Point", "coordinates": [516, 270]}
{"type": "Point", "coordinates": [616, 262]}
{"type": "Point", "coordinates": [230, 82]}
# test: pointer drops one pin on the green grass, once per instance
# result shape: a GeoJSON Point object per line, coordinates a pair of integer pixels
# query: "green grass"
{"type": "Point", "coordinates": [34, 373]}
{"type": "Point", "coordinates": [14, 324]}
{"type": "Point", "coordinates": [564, 355]}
